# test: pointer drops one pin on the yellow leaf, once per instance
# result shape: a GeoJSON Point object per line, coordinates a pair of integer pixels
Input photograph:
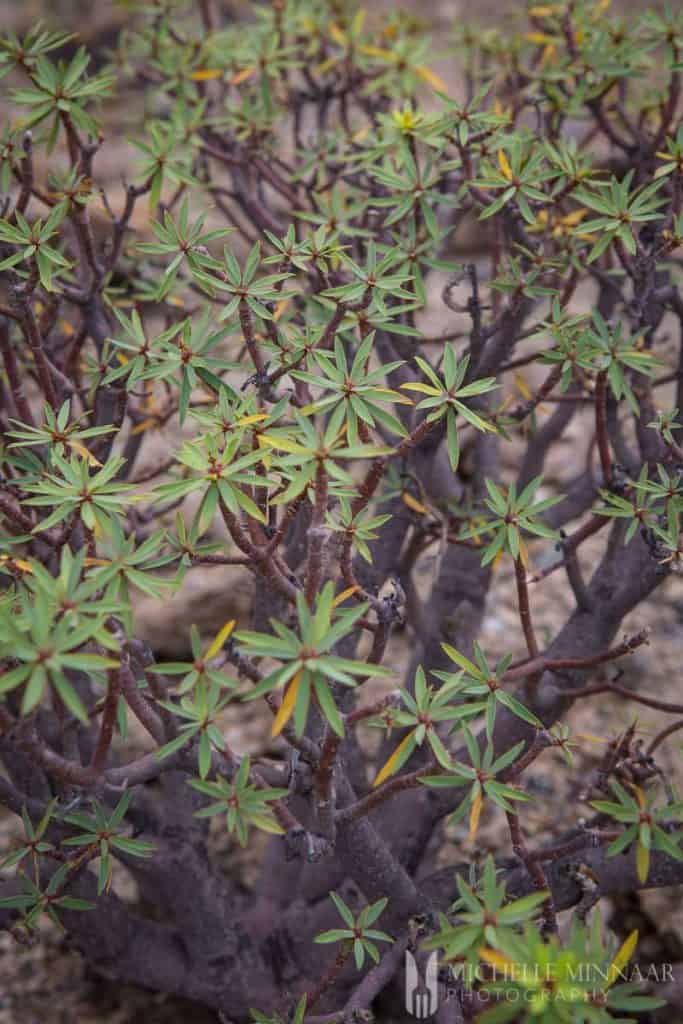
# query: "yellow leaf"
{"type": "Point", "coordinates": [360, 134]}
{"type": "Point", "coordinates": [431, 78]}
{"type": "Point", "coordinates": [497, 560]}
{"type": "Point", "coordinates": [390, 766]}
{"type": "Point", "coordinates": [267, 824]}
{"type": "Point", "coordinates": [338, 35]}
{"type": "Point", "coordinates": [82, 450]}
{"type": "Point", "coordinates": [414, 504]}
{"type": "Point", "coordinates": [96, 561]}
{"type": "Point", "coordinates": [220, 639]}
{"type": "Point", "coordinates": [425, 389]}
{"type": "Point", "coordinates": [242, 76]}
{"type": "Point", "coordinates": [522, 386]}
{"type": "Point", "coordinates": [396, 397]}
{"type": "Point", "coordinates": [246, 421]}
{"type": "Point", "coordinates": [537, 37]}
{"type": "Point", "coordinates": [284, 443]}
{"type": "Point", "coordinates": [377, 51]}
{"type": "Point", "coordinates": [286, 709]}
{"type": "Point", "coordinates": [642, 862]}
{"type": "Point", "coordinates": [358, 21]}
{"type": "Point", "coordinates": [504, 165]}
{"type": "Point", "coordinates": [541, 12]}
{"type": "Point", "coordinates": [15, 563]}
{"type": "Point", "coordinates": [340, 598]}
{"type": "Point", "coordinates": [575, 217]}
{"type": "Point", "coordinates": [475, 814]}
{"type": "Point", "coordinates": [622, 958]}
{"type": "Point", "coordinates": [206, 74]}
{"type": "Point", "coordinates": [523, 554]}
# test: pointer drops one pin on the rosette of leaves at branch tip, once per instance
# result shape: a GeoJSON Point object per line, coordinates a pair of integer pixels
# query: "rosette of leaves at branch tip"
{"type": "Point", "coordinates": [358, 389]}
{"type": "Point", "coordinates": [52, 627]}
{"type": "Point", "coordinates": [202, 692]}
{"type": "Point", "coordinates": [30, 245]}
{"type": "Point", "coordinates": [100, 835]}
{"type": "Point", "coordinates": [645, 823]}
{"type": "Point", "coordinates": [482, 681]}
{"type": "Point", "coordinates": [244, 803]}
{"type": "Point", "coordinates": [481, 778]}
{"type": "Point", "coordinates": [647, 504]}
{"type": "Point", "coordinates": [483, 916]}
{"type": "Point", "coordinates": [447, 395]}
{"type": "Point", "coordinates": [421, 715]}
{"type": "Point", "coordinates": [313, 453]}
{"type": "Point", "coordinates": [513, 516]}
{"type": "Point", "coordinates": [358, 936]}
{"type": "Point", "coordinates": [309, 668]}
{"type": "Point", "coordinates": [555, 981]}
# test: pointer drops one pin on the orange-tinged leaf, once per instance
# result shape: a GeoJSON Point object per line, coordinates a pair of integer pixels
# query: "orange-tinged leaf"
{"type": "Point", "coordinates": [280, 308]}
{"type": "Point", "coordinates": [15, 563]}
{"type": "Point", "coordinates": [429, 76]}
{"type": "Point", "coordinates": [390, 765]}
{"type": "Point", "coordinates": [504, 165]}
{"type": "Point", "coordinates": [206, 74]}
{"type": "Point", "coordinates": [414, 504]}
{"type": "Point", "coordinates": [144, 425]}
{"type": "Point", "coordinates": [639, 795]}
{"type": "Point", "coordinates": [338, 35]}
{"type": "Point", "coordinates": [286, 709]}
{"type": "Point", "coordinates": [622, 958]}
{"type": "Point", "coordinates": [475, 814]}
{"type": "Point", "coordinates": [522, 386]}
{"type": "Point", "coordinates": [340, 598]}
{"type": "Point", "coordinates": [242, 76]}
{"type": "Point", "coordinates": [82, 450]}
{"type": "Point", "coordinates": [220, 639]}
{"type": "Point", "coordinates": [496, 959]}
